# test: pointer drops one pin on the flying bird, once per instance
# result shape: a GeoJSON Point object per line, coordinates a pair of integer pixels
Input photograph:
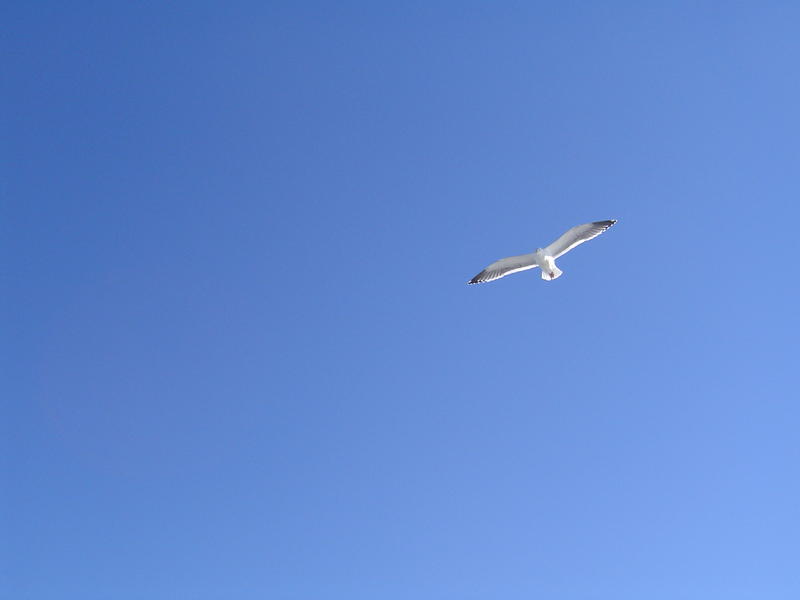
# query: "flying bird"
{"type": "Point", "coordinates": [544, 258]}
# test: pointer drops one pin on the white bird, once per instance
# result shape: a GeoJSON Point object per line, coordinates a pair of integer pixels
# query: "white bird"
{"type": "Point", "coordinates": [545, 258]}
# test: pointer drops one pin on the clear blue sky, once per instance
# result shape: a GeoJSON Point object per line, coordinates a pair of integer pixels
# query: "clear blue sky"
{"type": "Point", "coordinates": [240, 357]}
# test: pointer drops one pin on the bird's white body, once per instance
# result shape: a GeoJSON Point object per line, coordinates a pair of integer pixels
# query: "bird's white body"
{"type": "Point", "coordinates": [544, 258]}
{"type": "Point", "coordinates": [547, 263]}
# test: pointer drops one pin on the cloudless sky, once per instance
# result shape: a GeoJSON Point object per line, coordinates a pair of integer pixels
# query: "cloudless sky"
{"type": "Point", "coordinates": [240, 358]}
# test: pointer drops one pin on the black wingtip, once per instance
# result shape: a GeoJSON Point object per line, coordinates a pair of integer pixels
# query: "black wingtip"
{"type": "Point", "coordinates": [477, 279]}
{"type": "Point", "coordinates": [606, 224]}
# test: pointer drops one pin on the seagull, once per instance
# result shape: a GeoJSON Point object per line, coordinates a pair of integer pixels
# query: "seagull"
{"type": "Point", "coordinates": [545, 258]}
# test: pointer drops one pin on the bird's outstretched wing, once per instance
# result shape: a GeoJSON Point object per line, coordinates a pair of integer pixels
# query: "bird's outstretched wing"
{"type": "Point", "coordinates": [505, 266]}
{"type": "Point", "coordinates": [576, 236]}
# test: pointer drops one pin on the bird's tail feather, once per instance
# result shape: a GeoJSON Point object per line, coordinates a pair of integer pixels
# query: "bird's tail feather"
{"type": "Point", "coordinates": [548, 274]}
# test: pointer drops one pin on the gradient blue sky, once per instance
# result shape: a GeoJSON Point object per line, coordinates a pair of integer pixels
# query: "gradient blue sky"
{"type": "Point", "coordinates": [242, 359]}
